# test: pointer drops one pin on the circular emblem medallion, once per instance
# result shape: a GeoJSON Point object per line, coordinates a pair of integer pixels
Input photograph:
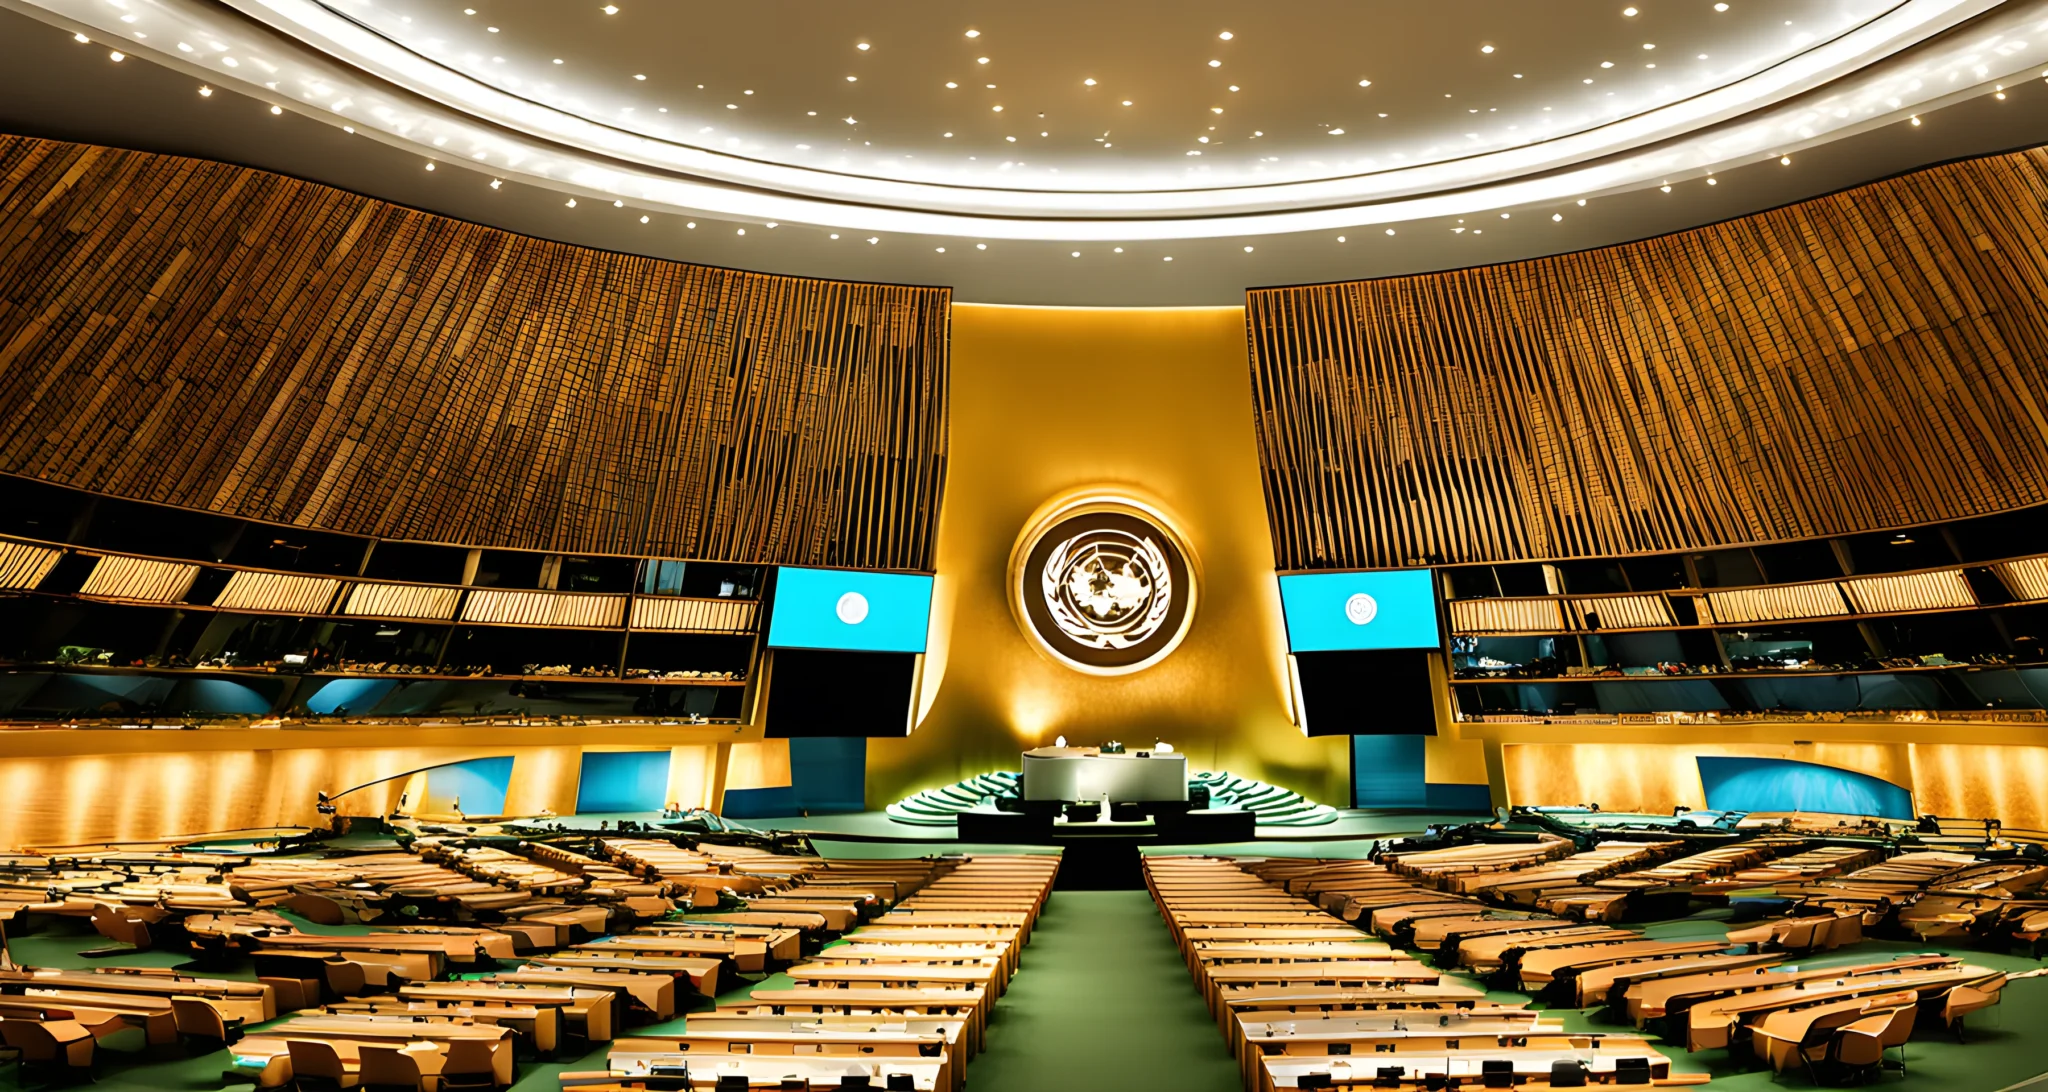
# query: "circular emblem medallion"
{"type": "Point", "coordinates": [852, 608]}
{"type": "Point", "coordinates": [1104, 586]}
{"type": "Point", "coordinates": [1361, 609]}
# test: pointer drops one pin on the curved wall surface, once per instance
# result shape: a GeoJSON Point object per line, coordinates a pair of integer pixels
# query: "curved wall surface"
{"type": "Point", "coordinates": [230, 340]}
{"type": "Point", "coordinates": [1867, 360]}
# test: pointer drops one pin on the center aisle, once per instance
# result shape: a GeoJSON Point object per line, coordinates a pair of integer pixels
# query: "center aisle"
{"type": "Point", "coordinates": [1102, 1001]}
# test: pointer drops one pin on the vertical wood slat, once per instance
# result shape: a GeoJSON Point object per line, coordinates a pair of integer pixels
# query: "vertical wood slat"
{"type": "Point", "coordinates": [219, 338]}
{"type": "Point", "coordinates": [1872, 359]}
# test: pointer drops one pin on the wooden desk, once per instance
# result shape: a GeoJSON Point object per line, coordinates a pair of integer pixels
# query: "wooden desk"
{"type": "Point", "coordinates": [701, 974]}
{"type": "Point", "coordinates": [540, 1026]}
{"type": "Point", "coordinates": [268, 1052]}
{"type": "Point", "coordinates": [832, 1044]}
{"type": "Point", "coordinates": [761, 1073]}
{"type": "Point", "coordinates": [591, 1009]}
{"type": "Point", "coordinates": [656, 993]}
{"type": "Point", "coordinates": [250, 1002]}
{"type": "Point", "coordinates": [970, 1004]}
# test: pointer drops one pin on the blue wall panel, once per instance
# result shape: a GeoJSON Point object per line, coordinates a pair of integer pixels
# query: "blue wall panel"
{"type": "Point", "coordinates": [622, 781]}
{"type": "Point", "coordinates": [1386, 772]}
{"type": "Point", "coordinates": [479, 783]}
{"type": "Point", "coordinates": [1779, 784]}
{"type": "Point", "coordinates": [827, 775]}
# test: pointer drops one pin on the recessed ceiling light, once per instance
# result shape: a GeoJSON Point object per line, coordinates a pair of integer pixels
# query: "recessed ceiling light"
{"type": "Point", "coordinates": [469, 11]}
{"type": "Point", "coordinates": [950, 84]}
{"type": "Point", "coordinates": [1713, 181]}
{"type": "Point", "coordinates": [118, 56]}
{"type": "Point", "coordinates": [611, 9]}
{"type": "Point", "coordinates": [1226, 36]}
{"type": "Point", "coordinates": [643, 219]}
{"type": "Point", "coordinates": [1784, 161]}
{"type": "Point", "coordinates": [430, 166]}
{"type": "Point", "coordinates": [940, 249]}
{"type": "Point", "coordinates": [1127, 102]}
{"type": "Point", "coordinates": [1628, 11]}
{"type": "Point", "coordinates": [949, 135]}
{"type": "Point", "coordinates": [692, 225]}
{"type": "Point", "coordinates": [1720, 7]}
{"type": "Point", "coordinates": [1336, 132]}
{"type": "Point", "coordinates": [618, 204]}
{"type": "Point", "coordinates": [1011, 139]}
{"type": "Point", "coordinates": [1215, 64]}
{"type": "Point", "coordinates": [1557, 217]}
{"type": "Point", "coordinates": [277, 109]}
{"type": "Point", "coordinates": [207, 92]}
{"type": "Point", "coordinates": [80, 39]}
{"type": "Point", "coordinates": [558, 60]}
{"type": "Point", "coordinates": [1649, 45]}
{"type": "Point", "coordinates": [741, 231]}
{"type": "Point", "coordinates": [494, 30]}
{"type": "Point", "coordinates": [981, 60]}
{"type": "Point", "coordinates": [1215, 109]}
{"type": "Point", "coordinates": [1486, 49]}
{"type": "Point", "coordinates": [748, 91]}
{"type": "Point", "coordinates": [1247, 250]}
{"type": "Point", "coordinates": [1340, 238]}
{"type": "Point", "coordinates": [1090, 82]}
{"type": "Point", "coordinates": [862, 46]}
{"type": "Point", "coordinates": [853, 79]}
{"type": "Point", "coordinates": [1233, 87]}
{"type": "Point", "coordinates": [1582, 202]}
{"type": "Point", "coordinates": [496, 182]}
{"type": "Point", "coordinates": [1607, 64]}
{"type": "Point", "coordinates": [639, 75]}
{"type": "Point", "coordinates": [1168, 258]}
{"type": "Point", "coordinates": [996, 109]}
{"type": "Point", "coordinates": [1075, 254]}
{"type": "Point", "coordinates": [1365, 83]}
{"type": "Point", "coordinates": [1118, 250]}
{"type": "Point", "coordinates": [974, 34]}
{"type": "Point", "coordinates": [571, 203]}
{"type": "Point", "coordinates": [873, 239]}
{"type": "Point", "coordinates": [732, 106]}
{"type": "Point", "coordinates": [1390, 231]}
{"type": "Point", "coordinates": [850, 121]}
{"type": "Point", "coordinates": [981, 246]}
{"type": "Point", "coordinates": [1916, 119]}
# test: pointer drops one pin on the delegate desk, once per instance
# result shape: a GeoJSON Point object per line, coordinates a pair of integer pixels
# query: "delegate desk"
{"type": "Point", "coordinates": [249, 1002]}
{"type": "Point", "coordinates": [863, 1045]}
{"type": "Point", "coordinates": [654, 993]}
{"type": "Point", "coordinates": [591, 1010]}
{"type": "Point", "coordinates": [966, 1004]}
{"type": "Point", "coordinates": [699, 973]}
{"type": "Point", "coordinates": [268, 1053]}
{"type": "Point", "coordinates": [816, 1072]}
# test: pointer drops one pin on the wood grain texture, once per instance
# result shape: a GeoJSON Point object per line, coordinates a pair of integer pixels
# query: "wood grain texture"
{"type": "Point", "coordinates": [1866, 360]}
{"type": "Point", "coordinates": [231, 340]}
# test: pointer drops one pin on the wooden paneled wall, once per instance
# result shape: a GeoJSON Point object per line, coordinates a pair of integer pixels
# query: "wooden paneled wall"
{"type": "Point", "coordinates": [227, 339]}
{"type": "Point", "coordinates": [1860, 361]}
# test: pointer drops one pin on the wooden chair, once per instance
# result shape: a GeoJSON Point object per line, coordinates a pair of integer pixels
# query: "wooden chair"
{"type": "Point", "coordinates": [51, 1046]}
{"type": "Point", "coordinates": [120, 928]}
{"type": "Point", "coordinates": [200, 1024]}
{"type": "Point", "coordinates": [468, 1065]}
{"type": "Point", "coordinates": [317, 1067]}
{"type": "Point", "coordinates": [1900, 1029]}
{"type": "Point", "coordinates": [294, 994]}
{"type": "Point", "coordinates": [389, 1069]}
{"type": "Point", "coordinates": [1857, 1049]}
{"type": "Point", "coordinates": [1964, 1000]}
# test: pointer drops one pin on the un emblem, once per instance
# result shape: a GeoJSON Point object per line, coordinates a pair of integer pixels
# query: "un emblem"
{"type": "Point", "coordinates": [1103, 585]}
{"type": "Point", "coordinates": [1361, 609]}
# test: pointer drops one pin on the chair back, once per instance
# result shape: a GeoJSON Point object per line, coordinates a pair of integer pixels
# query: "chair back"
{"type": "Point", "coordinates": [389, 1067]}
{"type": "Point", "coordinates": [1860, 1045]}
{"type": "Point", "coordinates": [346, 977]}
{"type": "Point", "coordinates": [1899, 1027]}
{"type": "Point", "coordinates": [196, 1018]}
{"type": "Point", "coordinates": [313, 1058]}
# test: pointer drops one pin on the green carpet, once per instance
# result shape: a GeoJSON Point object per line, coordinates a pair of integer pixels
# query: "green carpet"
{"type": "Point", "coordinates": [1102, 1001]}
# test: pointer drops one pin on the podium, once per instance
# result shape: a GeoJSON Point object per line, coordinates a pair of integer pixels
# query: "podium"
{"type": "Point", "coordinates": [1147, 796]}
{"type": "Point", "coordinates": [1068, 774]}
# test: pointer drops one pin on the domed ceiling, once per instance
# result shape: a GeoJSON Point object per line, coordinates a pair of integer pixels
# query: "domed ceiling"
{"type": "Point", "coordinates": [1058, 152]}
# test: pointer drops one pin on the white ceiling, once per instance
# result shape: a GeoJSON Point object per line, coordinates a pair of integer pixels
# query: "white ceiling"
{"type": "Point", "coordinates": [776, 80]}
{"type": "Point", "coordinates": [365, 111]}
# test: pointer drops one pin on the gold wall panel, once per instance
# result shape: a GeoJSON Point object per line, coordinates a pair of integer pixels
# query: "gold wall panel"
{"type": "Point", "coordinates": [1864, 360]}
{"type": "Point", "coordinates": [1152, 403]}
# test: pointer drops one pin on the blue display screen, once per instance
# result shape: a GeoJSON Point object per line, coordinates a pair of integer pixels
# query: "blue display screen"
{"type": "Point", "coordinates": [1333, 612]}
{"type": "Point", "coordinates": [853, 611]}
